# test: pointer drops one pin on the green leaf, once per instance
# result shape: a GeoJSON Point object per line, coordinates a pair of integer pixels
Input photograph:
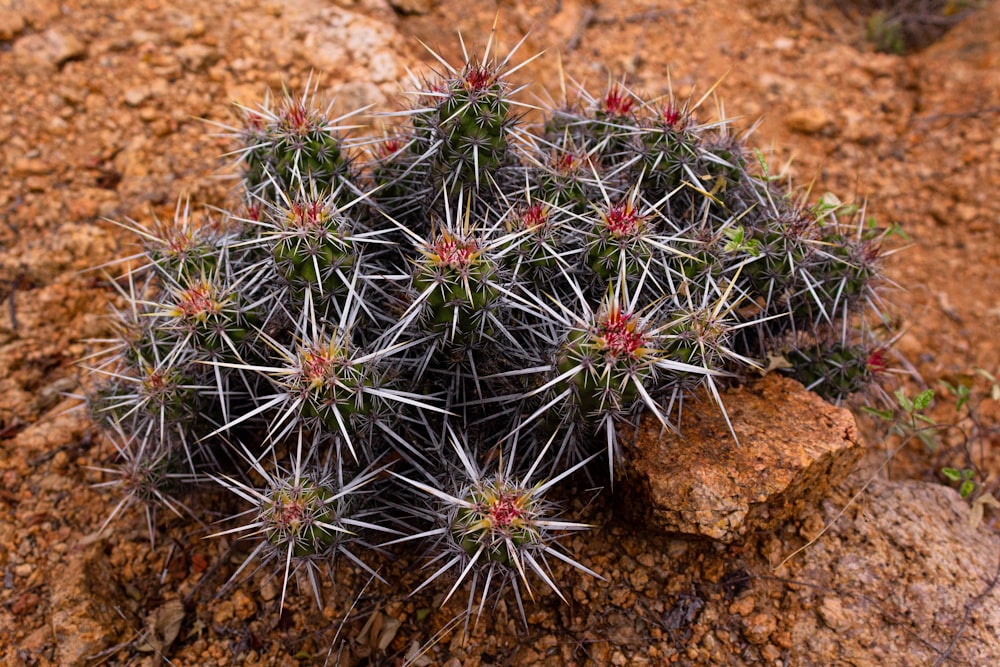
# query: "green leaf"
{"type": "Point", "coordinates": [896, 229]}
{"type": "Point", "coordinates": [762, 162]}
{"type": "Point", "coordinates": [923, 399]}
{"type": "Point", "coordinates": [885, 415]}
{"type": "Point", "coordinates": [929, 438]}
{"type": "Point", "coordinates": [738, 241]}
{"type": "Point", "coordinates": [951, 473]}
{"type": "Point", "coordinates": [829, 201]}
{"type": "Point", "coordinates": [735, 236]}
{"type": "Point", "coordinates": [904, 402]}
{"type": "Point", "coordinates": [968, 486]}
{"type": "Point", "coordinates": [959, 391]}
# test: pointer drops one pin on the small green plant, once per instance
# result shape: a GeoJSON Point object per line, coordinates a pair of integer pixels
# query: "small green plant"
{"type": "Point", "coordinates": [416, 338]}
{"type": "Point", "coordinates": [903, 26]}
{"type": "Point", "coordinates": [908, 419]}
{"type": "Point", "coordinates": [885, 31]}
{"type": "Point", "coordinates": [961, 438]}
{"type": "Point", "coordinates": [964, 478]}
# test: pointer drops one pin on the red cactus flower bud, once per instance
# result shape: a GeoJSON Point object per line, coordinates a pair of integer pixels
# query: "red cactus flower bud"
{"type": "Point", "coordinates": [617, 102]}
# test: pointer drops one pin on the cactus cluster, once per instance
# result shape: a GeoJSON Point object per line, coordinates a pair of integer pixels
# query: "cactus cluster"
{"type": "Point", "coordinates": [414, 338]}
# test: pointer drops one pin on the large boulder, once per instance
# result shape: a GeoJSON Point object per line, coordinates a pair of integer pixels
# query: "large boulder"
{"type": "Point", "coordinates": [899, 578]}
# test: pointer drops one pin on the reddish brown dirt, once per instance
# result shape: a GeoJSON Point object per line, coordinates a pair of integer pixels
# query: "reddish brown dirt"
{"type": "Point", "coordinates": [98, 121]}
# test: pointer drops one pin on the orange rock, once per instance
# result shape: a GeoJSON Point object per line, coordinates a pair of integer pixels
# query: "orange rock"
{"type": "Point", "coordinates": [86, 604]}
{"type": "Point", "coordinates": [793, 448]}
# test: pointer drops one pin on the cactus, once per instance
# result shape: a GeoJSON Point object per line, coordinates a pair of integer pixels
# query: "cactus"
{"type": "Point", "coordinates": [607, 367]}
{"type": "Point", "coordinates": [303, 518]}
{"type": "Point", "coordinates": [493, 524]}
{"type": "Point", "coordinates": [422, 333]}
{"type": "Point", "coordinates": [463, 136]}
{"type": "Point", "coordinates": [146, 473]}
{"type": "Point", "coordinates": [835, 370]}
{"type": "Point", "coordinates": [290, 145]}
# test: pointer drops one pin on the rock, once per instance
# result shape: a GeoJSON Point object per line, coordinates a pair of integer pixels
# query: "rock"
{"type": "Point", "coordinates": [363, 53]}
{"type": "Point", "coordinates": [44, 53]}
{"type": "Point", "coordinates": [858, 127]}
{"type": "Point", "coordinates": [35, 645]}
{"type": "Point", "coordinates": [145, 37]}
{"type": "Point", "coordinates": [811, 120]}
{"type": "Point", "coordinates": [135, 96]}
{"type": "Point", "coordinates": [744, 606]}
{"type": "Point", "coordinates": [793, 448]}
{"type": "Point", "coordinates": [567, 21]}
{"type": "Point", "coordinates": [831, 610]}
{"type": "Point", "coordinates": [16, 15]}
{"type": "Point", "coordinates": [356, 95]}
{"type": "Point", "coordinates": [24, 167]}
{"type": "Point", "coordinates": [224, 612]}
{"type": "Point", "coordinates": [25, 603]}
{"type": "Point", "coordinates": [965, 212]}
{"type": "Point", "coordinates": [70, 247]}
{"type": "Point", "coordinates": [269, 589]}
{"type": "Point", "coordinates": [11, 24]}
{"type": "Point", "coordinates": [131, 161]}
{"type": "Point", "coordinates": [244, 606]}
{"type": "Point", "coordinates": [197, 57]}
{"type": "Point", "coordinates": [775, 84]}
{"type": "Point", "coordinates": [758, 628]}
{"type": "Point", "coordinates": [348, 45]}
{"type": "Point", "coordinates": [892, 578]}
{"type": "Point", "coordinates": [412, 6]}
{"type": "Point", "coordinates": [84, 600]}
{"type": "Point", "coordinates": [60, 428]}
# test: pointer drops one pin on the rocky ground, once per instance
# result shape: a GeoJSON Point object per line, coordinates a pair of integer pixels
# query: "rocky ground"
{"type": "Point", "coordinates": [101, 118]}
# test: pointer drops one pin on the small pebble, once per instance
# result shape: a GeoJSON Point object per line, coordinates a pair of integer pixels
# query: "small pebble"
{"type": "Point", "coordinates": [223, 613]}
{"type": "Point", "coordinates": [135, 96]}
{"type": "Point", "coordinates": [759, 627]}
{"type": "Point", "coordinates": [743, 606]}
{"type": "Point", "coordinates": [812, 120]}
